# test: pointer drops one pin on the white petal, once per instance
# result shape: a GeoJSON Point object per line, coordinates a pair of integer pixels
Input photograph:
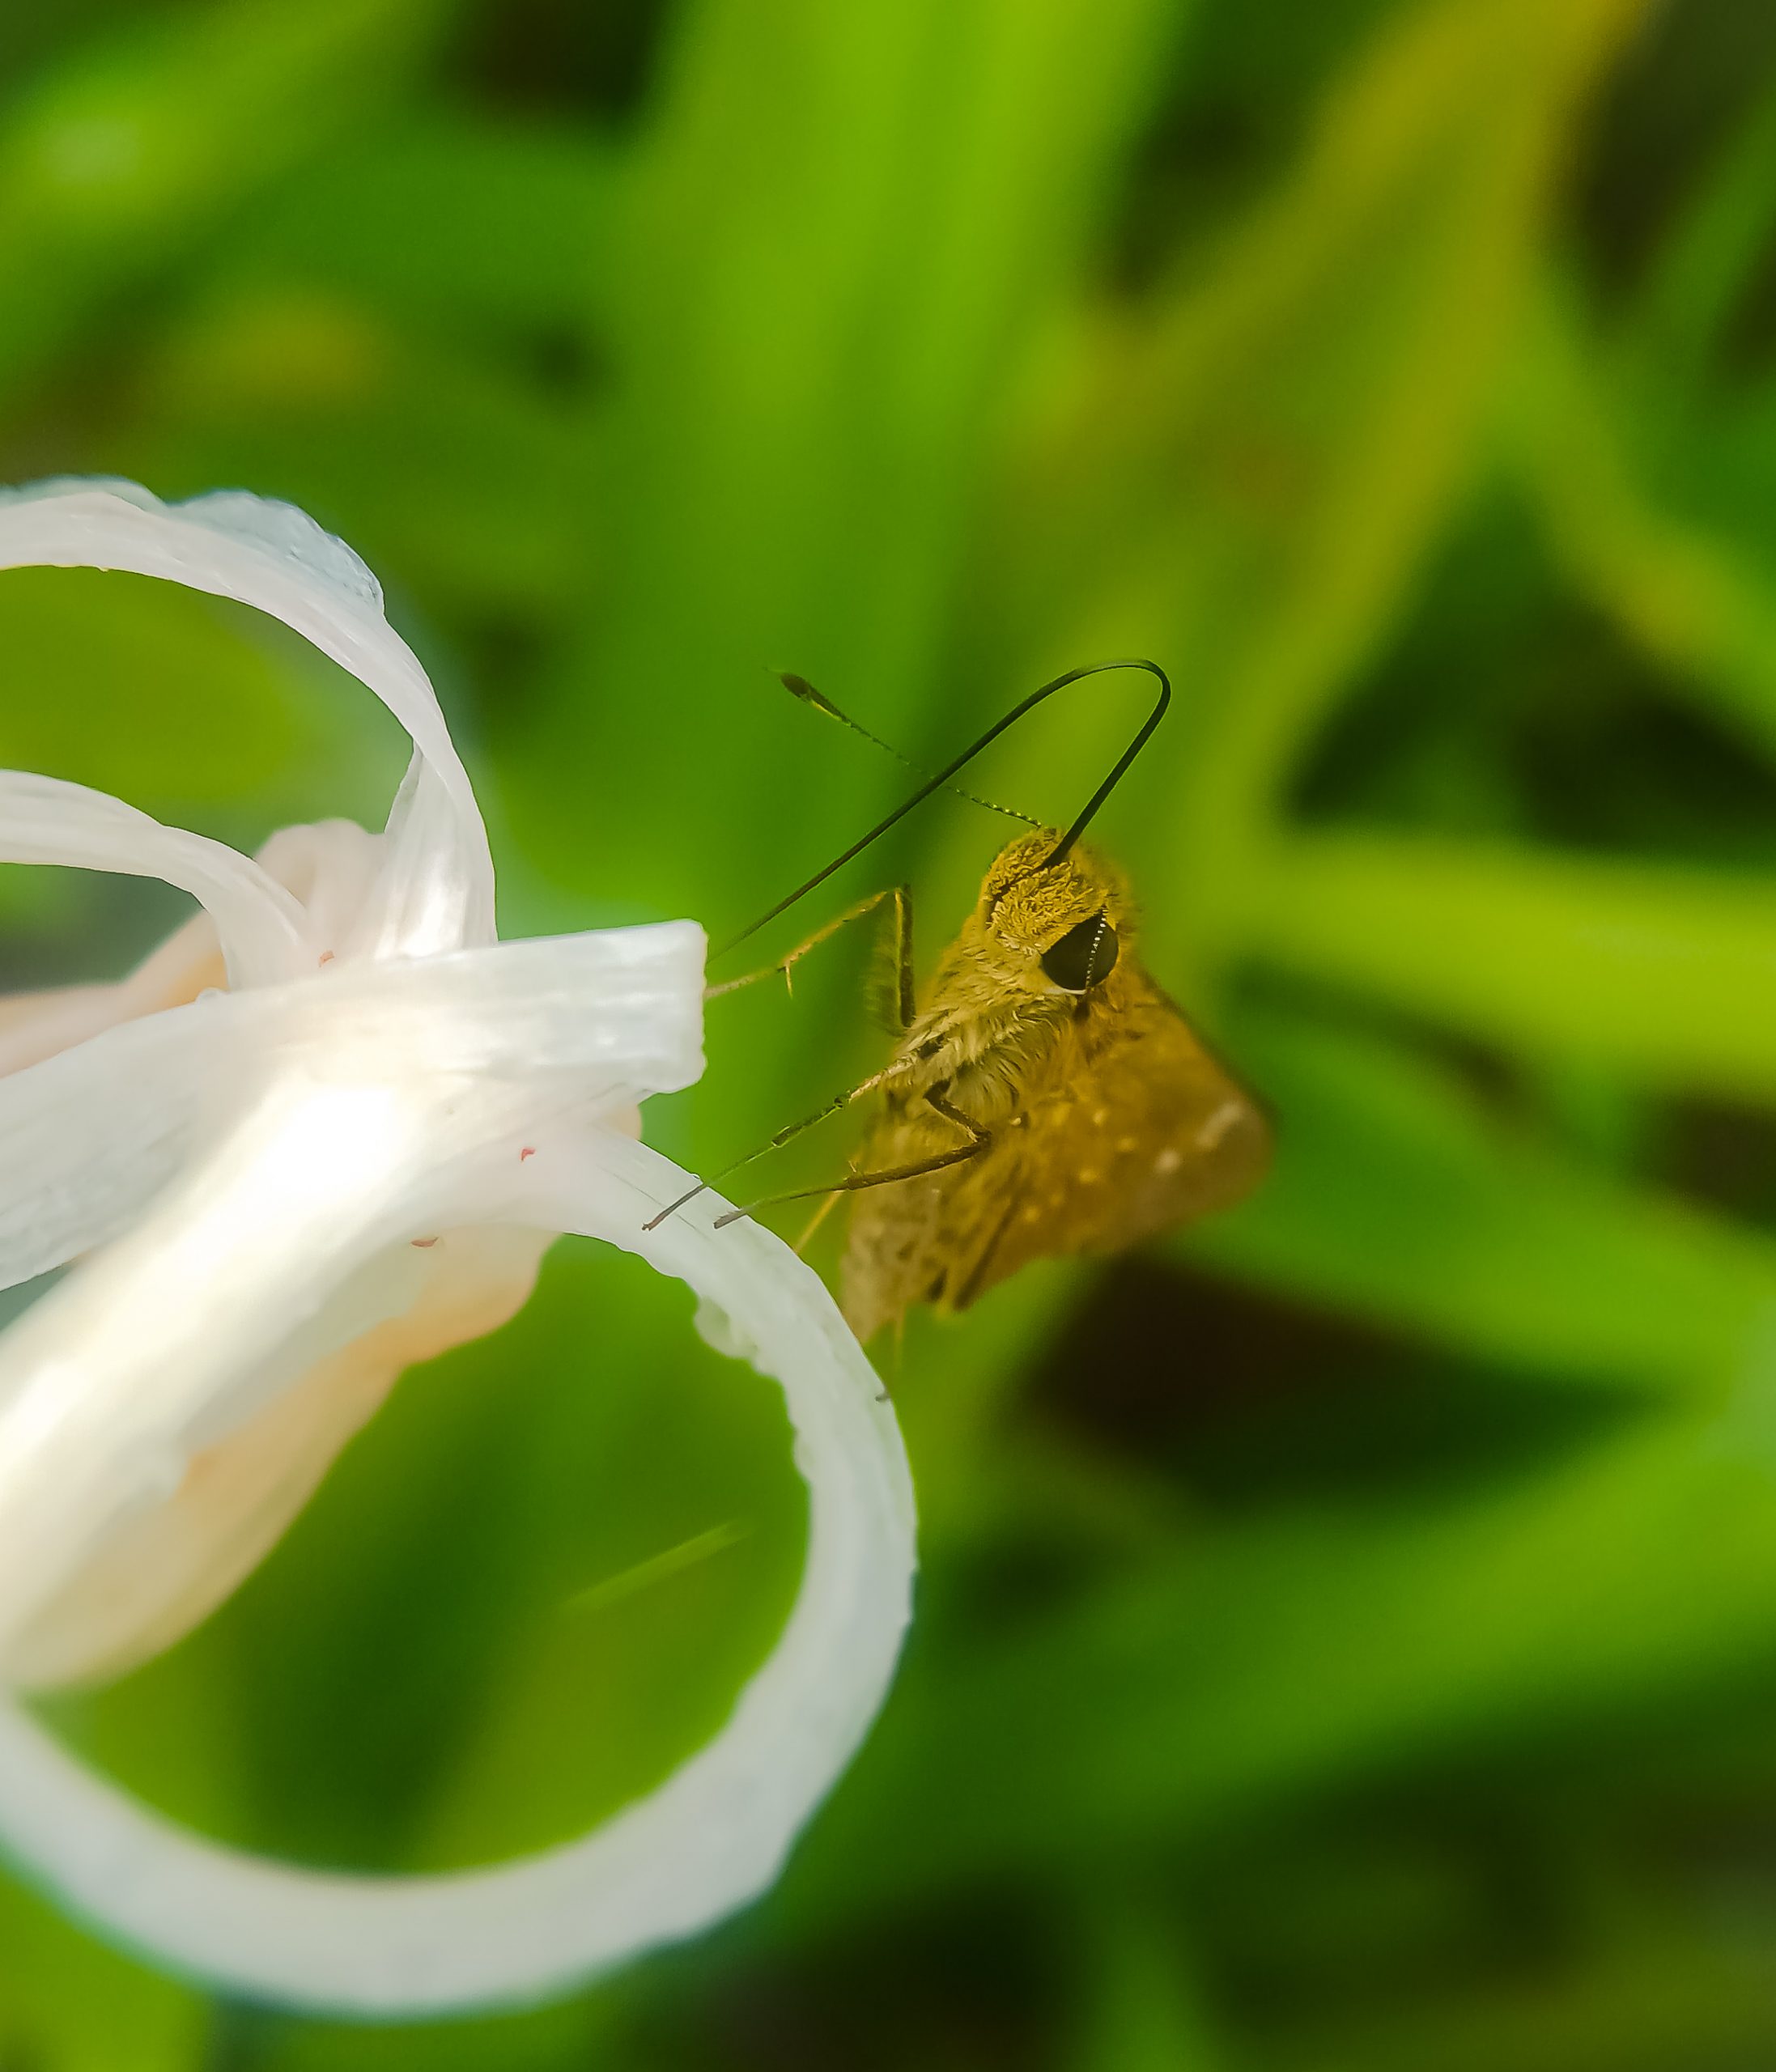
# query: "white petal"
{"type": "Point", "coordinates": [417, 904]}
{"type": "Point", "coordinates": [90, 1135]}
{"type": "Point", "coordinates": [331, 866]}
{"type": "Point", "coordinates": [438, 887]}
{"type": "Point", "coordinates": [707, 1840]}
{"type": "Point", "coordinates": [85, 1147]}
{"type": "Point", "coordinates": [87, 1137]}
{"type": "Point", "coordinates": [34, 1026]}
{"type": "Point", "coordinates": [328, 868]}
{"type": "Point", "coordinates": [173, 1566]}
{"type": "Point", "coordinates": [262, 929]}
{"type": "Point", "coordinates": [385, 1099]}
{"type": "Point", "coordinates": [374, 1104]}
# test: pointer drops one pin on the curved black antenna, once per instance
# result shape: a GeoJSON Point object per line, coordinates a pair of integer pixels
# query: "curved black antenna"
{"type": "Point", "coordinates": [1123, 760]}
{"type": "Point", "coordinates": [800, 687]}
{"type": "Point", "coordinates": [968, 754]}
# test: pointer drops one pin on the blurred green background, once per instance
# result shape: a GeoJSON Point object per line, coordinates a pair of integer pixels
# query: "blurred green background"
{"type": "Point", "coordinates": [1347, 1635]}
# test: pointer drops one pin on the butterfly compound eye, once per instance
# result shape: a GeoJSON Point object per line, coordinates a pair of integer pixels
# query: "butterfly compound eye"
{"type": "Point", "coordinates": [1083, 957]}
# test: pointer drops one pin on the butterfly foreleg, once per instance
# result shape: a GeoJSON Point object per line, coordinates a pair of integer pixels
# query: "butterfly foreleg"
{"type": "Point", "coordinates": [783, 1136]}
{"type": "Point", "coordinates": [902, 897]}
{"type": "Point", "coordinates": [978, 1139]}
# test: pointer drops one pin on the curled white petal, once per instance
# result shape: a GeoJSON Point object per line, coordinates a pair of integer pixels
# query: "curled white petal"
{"type": "Point", "coordinates": [102, 1087]}
{"type": "Point", "coordinates": [34, 1026]}
{"type": "Point", "coordinates": [364, 1108]}
{"type": "Point", "coordinates": [436, 890]}
{"type": "Point", "coordinates": [708, 1840]}
{"type": "Point", "coordinates": [327, 868]}
{"type": "Point", "coordinates": [263, 930]}
{"type": "Point", "coordinates": [172, 1565]}
{"type": "Point", "coordinates": [89, 1135]}
{"type": "Point", "coordinates": [252, 1168]}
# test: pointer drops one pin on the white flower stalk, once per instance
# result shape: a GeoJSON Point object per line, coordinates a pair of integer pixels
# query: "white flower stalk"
{"type": "Point", "coordinates": [250, 1180]}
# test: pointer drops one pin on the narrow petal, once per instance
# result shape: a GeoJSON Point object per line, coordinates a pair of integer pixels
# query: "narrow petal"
{"type": "Point", "coordinates": [34, 1026]}
{"type": "Point", "coordinates": [172, 1567]}
{"type": "Point", "coordinates": [707, 1841]}
{"type": "Point", "coordinates": [262, 927]}
{"type": "Point", "coordinates": [330, 866]}
{"type": "Point", "coordinates": [437, 889]}
{"type": "Point", "coordinates": [366, 1107]}
{"type": "Point", "coordinates": [327, 868]}
{"type": "Point", "coordinates": [84, 1147]}
{"type": "Point", "coordinates": [90, 1136]}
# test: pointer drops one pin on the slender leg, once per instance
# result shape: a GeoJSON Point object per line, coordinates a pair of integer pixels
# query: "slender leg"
{"type": "Point", "coordinates": [784, 1136]}
{"type": "Point", "coordinates": [979, 1140]}
{"type": "Point", "coordinates": [901, 895]}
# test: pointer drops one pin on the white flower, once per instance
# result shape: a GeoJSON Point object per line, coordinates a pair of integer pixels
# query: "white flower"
{"type": "Point", "coordinates": [241, 1175]}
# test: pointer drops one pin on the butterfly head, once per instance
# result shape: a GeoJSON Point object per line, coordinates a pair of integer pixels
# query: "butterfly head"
{"type": "Point", "coordinates": [1058, 927]}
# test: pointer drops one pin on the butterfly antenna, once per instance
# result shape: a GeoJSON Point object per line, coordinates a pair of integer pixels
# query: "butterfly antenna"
{"type": "Point", "coordinates": [800, 687]}
{"type": "Point", "coordinates": [1120, 768]}
{"type": "Point", "coordinates": [968, 755]}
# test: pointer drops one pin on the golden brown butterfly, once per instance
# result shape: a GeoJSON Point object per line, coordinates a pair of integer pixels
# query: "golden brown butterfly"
{"type": "Point", "coordinates": [1045, 1098]}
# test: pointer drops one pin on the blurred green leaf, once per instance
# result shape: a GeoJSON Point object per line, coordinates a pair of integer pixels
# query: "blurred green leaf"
{"type": "Point", "coordinates": [1397, 1197]}
{"type": "Point", "coordinates": [1667, 1996]}
{"type": "Point", "coordinates": [118, 160]}
{"type": "Point", "coordinates": [1251, 474]}
{"type": "Point", "coordinates": [136, 687]}
{"type": "Point", "coordinates": [456, 470]}
{"type": "Point", "coordinates": [1664, 972]}
{"type": "Point", "coordinates": [492, 229]}
{"type": "Point", "coordinates": [1142, 2011]}
{"type": "Point", "coordinates": [1686, 594]}
{"type": "Point", "coordinates": [1311, 1653]}
{"type": "Point", "coordinates": [1683, 310]}
{"type": "Point", "coordinates": [192, 707]}
{"type": "Point", "coordinates": [804, 465]}
{"type": "Point", "coordinates": [70, 2006]}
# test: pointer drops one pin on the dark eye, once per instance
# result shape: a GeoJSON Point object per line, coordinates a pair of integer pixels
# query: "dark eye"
{"type": "Point", "coordinates": [1083, 957]}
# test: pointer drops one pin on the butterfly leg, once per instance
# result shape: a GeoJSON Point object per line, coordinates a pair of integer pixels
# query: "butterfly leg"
{"type": "Point", "coordinates": [902, 897]}
{"type": "Point", "coordinates": [979, 1139]}
{"type": "Point", "coordinates": [783, 1136]}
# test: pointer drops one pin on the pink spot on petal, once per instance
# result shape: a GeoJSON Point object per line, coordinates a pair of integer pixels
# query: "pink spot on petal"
{"type": "Point", "coordinates": [529, 1151]}
{"type": "Point", "coordinates": [423, 1244]}
{"type": "Point", "coordinates": [326, 957]}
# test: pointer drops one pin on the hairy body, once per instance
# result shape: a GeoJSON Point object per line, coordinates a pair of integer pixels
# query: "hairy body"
{"type": "Point", "coordinates": [1072, 1117]}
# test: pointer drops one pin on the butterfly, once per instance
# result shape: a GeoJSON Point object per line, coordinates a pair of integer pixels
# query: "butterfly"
{"type": "Point", "coordinates": [1044, 1097]}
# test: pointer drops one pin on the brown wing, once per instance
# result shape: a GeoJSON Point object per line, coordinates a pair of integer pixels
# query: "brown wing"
{"type": "Point", "coordinates": [1127, 1127]}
